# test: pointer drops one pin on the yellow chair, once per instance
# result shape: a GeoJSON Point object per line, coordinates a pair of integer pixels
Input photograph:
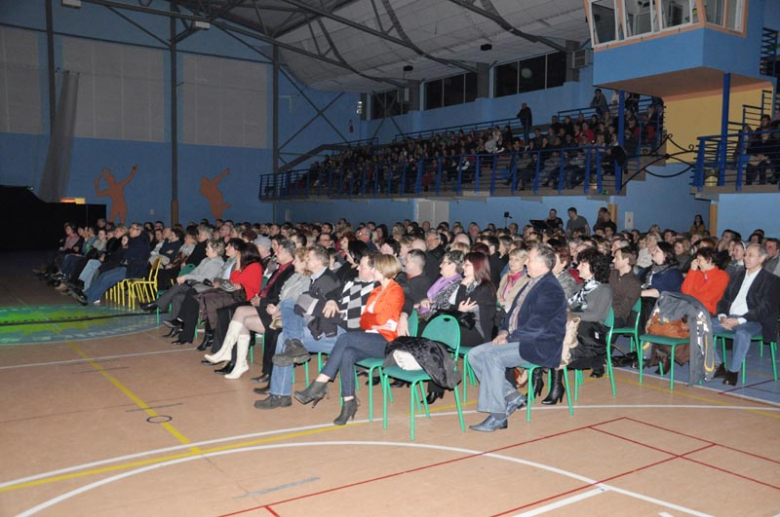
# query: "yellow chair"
{"type": "Point", "coordinates": [144, 289]}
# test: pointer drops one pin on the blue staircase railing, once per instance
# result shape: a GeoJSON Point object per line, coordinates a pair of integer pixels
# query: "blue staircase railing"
{"type": "Point", "coordinates": [768, 52]}
{"type": "Point", "coordinates": [750, 158]}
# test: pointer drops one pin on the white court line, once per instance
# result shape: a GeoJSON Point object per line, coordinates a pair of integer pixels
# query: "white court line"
{"type": "Point", "coordinates": [562, 503]}
{"type": "Point", "coordinates": [319, 426]}
{"type": "Point", "coordinates": [73, 493]}
{"type": "Point", "coordinates": [73, 361]}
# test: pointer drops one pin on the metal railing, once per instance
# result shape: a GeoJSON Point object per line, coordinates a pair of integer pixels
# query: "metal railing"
{"type": "Point", "coordinates": [513, 123]}
{"type": "Point", "coordinates": [738, 160]}
{"type": "Point", "coordinates": [586, 169]}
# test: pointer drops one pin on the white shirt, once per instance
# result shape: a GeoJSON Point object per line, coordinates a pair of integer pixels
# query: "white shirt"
{"type": "Point", "coordinates": [739, 306]}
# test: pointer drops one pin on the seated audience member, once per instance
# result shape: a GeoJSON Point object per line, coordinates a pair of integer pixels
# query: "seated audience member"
{"type": "Point", "coordinates": [532, 331]}
{"type": "Point", "coordinates": [168, 274]}
{"type": "Point", "coordinates": [254, 317]}
{"type": "Point", "coordinates": [344, 313]}
{"type": "Point", "coordinates": [379, 323]}
{"type": "Point", "coordinates": [243, 284]}
{"type": "Point", "coordinates": [737, 262]}
{"type": "Point", "coordinates": [663, 276]}
{"type": "Point", "coordinates": [749, 307]}
{"type": "Point", "coordinates": [592, 304]}
{"type": "Point", "coordinates": [561, 267]}
{"type": "Point", "coordinates": [626, 287]}
{"type": "Point", "coordinates": [705, 280]}
{"type": "Point", "coordinates": [208, 269]}
{"type": "Point", "coordinates": [515, 278]}
{"type": "Point", "coordinates": [132, 265]}
{"type": "Point", "coordinates": [441, 295]}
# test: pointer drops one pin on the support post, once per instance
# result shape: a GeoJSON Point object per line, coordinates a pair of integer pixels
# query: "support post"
{"type": "Point", "coordinates": [50, 65]}
{"type": "Point", "coordinates": [724, 130]}
{"type": "Point", "coordinates": [275, 118]}
{"type": "Point", "coordinates": [174, 123]}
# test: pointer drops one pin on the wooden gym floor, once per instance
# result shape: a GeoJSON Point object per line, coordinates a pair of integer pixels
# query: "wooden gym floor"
{"type": "Point", "coordinates": [131, 425]}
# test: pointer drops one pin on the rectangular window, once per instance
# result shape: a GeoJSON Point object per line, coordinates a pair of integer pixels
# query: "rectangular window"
{"type": "Point", "coordinates": [603, 21]}
{"type": "Point", "coordinates": [506, 80]}
{"type": "Point", "coordinates": [532, 74]}
{"type": "Point", "coordinates": [433, 95]}
{"type": "Point", "coordinates": [453, 90]}
{"type": "Point", "coordinates": [471, 87]}
{"type": "Point", "coordinates": [556, 69]}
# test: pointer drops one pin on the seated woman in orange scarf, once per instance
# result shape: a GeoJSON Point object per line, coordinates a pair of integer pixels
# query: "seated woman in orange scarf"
{"type": "Point", "coordinates": [379, 323]}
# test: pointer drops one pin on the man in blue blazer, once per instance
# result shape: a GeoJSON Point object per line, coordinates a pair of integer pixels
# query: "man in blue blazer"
{"type": "Point", "coordinates": [532, 332]}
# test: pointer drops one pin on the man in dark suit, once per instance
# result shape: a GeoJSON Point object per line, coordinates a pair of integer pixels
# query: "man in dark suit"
{"type": "Point", "coordinates": [533, 331]}
{"type": "Point", "coordinates": [749, 307]}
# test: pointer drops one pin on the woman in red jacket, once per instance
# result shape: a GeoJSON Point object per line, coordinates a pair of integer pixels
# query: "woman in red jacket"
{"type": "Point", "coordinates": [706, 281]}
{"type": "Point", "coordinates": [379, 323]}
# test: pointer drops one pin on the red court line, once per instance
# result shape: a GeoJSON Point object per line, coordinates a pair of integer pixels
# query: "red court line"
{"type": "Point", "coordinates": [424, 467]}
{"type": "Point", "coordinates": [589, 485]}
{"type": "Point", "coordinates": [703, 440]}
{"type": "Point", "coordinates": [732, 473]}
{"type": "Point", "coordinates": [270, 510]}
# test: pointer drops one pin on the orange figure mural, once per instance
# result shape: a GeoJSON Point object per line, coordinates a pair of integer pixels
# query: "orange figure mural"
{"type": "Point", "coordinates": [116, 191]}
{"type": "Point", "coordinates": [211, 192]}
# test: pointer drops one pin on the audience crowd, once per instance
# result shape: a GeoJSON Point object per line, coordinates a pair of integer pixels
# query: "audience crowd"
{"type": "Point", "coordinates": [348, 291]}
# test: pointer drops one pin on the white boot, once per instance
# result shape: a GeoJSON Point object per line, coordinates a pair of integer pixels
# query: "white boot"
{"type": "Point", "coordinates": [241, 362]}
{"type": "Point", "coordinates": [224, 353]}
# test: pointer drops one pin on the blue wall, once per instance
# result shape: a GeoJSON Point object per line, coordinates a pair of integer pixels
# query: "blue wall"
{"type": "Point", "coordinates": [664, 201]}
{"type": "Point", "coordinates": [148, 196]}
{"type": "Point", "coordinates": [695, 48]}
{"type": "Point", "coordinates": [746, 213]}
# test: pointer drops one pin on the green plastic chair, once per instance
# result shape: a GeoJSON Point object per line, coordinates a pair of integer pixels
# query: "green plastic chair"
{"type": "Point", "coordinates": [578, 378]}
{"type": "Point", "coordinates": [723, 336]}
{"type": "Point", "coordinates": [414, 323]}
{"type": "Point", "coordinates": [531, 396]}
{"type": "Point", "coordinates": [631, 332]}
{"type": "Point", "coordinates": [444, 329]}
{"type": "Point", "coordinates": [671, 342]}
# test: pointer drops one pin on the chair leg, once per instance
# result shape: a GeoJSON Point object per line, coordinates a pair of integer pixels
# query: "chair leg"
{"type": "Point", "coordinates": [671, 368]}
{"type": "Point", "coordinates": [610, 371]}
{"type": "Point", "coordinates": [568, 392]}
{"type": "Point", "coordinates": [460, 411]}
{"type": "Point", "coordinates": [385, 389]}
{"type": "Point", "coordinates": [640, 356]}
{"type": "Point", "coordinates": [530, 398]}
{"type": "Point", "coordinates": [773, 355]}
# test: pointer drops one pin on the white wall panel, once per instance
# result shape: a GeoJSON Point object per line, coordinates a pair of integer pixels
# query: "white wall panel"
{"type": "Point", "coordinates": [20, 82]}
{"type": "Point", "coordinates": [121, 90]}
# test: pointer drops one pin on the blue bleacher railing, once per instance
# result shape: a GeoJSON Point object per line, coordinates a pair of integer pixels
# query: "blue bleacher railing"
{"type": "Point", "coordinates": [586, 169]}
{"type": "Point", "coordinates": [738, 160]}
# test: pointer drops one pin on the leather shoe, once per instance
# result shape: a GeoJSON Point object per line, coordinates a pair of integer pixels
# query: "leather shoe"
{"type": "Point", "coordinates": [180, 342]}
{"type": "Point", "coordinates": [260, 380]}
{"type": "Point", "coordinates": [596, 374]}
{"type": "Point", "coordinates": [273, 402]}
{"type": "Point", "coordinates": [515, 404]}
{"type": "Point", "coordinates": [262, 391]}
{"type": "Point", "coordinates": [489, 425]}
{"type": "Point", "coordinates": [398, 383]}
{"type": "Point", "coordinates": [206, 362]}
{"type": "Point", "coordinates": [149, 307]}
{"type": "Point", "coordinates": [720, 371]}
{"type": "Point", "coordinates": [432, 397]}
{"type": "Point", "coordinates": [731, 378]}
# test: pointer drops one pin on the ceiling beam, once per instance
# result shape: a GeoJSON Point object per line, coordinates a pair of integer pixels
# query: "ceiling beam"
{"type": "Point", "coordinates": [501, 22]}
{"type": "Point", "coordinates": [224, 9]}
{"type": "Point", "coordinates": [381, 35]}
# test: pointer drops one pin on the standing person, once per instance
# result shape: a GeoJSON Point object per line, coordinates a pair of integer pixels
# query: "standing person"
{"type": "Point", "coordinates": [532, 331]}
{"type": "Point", "coordinates": [599, 103]}
{"type": "Point", "coordinates": [527, 120]}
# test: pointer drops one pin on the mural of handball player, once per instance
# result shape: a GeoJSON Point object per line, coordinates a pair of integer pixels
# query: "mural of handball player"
{"type": "Point", "coordinates": [116, 191]}
{"type": "Point", "coordinates": [210, 190]}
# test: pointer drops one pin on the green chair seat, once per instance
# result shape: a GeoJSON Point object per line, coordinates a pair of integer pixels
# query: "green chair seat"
{"type": "Point", "coordinates": [660, 340]}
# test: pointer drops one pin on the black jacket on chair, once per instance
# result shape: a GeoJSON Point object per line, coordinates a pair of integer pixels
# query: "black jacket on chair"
{"type": "Point", "coordinates": [763, 301]}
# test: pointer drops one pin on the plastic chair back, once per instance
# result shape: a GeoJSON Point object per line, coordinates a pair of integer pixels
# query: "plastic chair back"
{"type": "Point", "coordinates": [610, 321]}
{"type": "Point", "coordinates": [414, 323]}
{"type": "Point", "coordinates": [186, 269]}
{"type": "Point", "coordinates": [444, 329]}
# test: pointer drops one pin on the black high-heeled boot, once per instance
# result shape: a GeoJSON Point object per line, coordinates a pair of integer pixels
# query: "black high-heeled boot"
{"type": "Point", "coordinates": [208, 340]}
{"type": "Point", "coordinates": [175, 331]}
{"type": "Point", "coordinates": [348, 411]}
{"type": "Point", "coordinates": [227, 368]}
{"type": "Point", "coordinates": [314, 392]}
{"type": "Point", "coordinates": [538, 381]}
{"type": "Point", "coordinates": [557, 391]}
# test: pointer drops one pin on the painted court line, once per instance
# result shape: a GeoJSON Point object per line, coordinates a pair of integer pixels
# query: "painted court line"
{"type": "Point", "coordinates": [132, 396]}
{"type": "Point", "coordinates": [99, 467]}
{"type": "Point", "coordinates": [84, 361]}
{"type": "Point", "coordinates": [562, 503]}
{"type": "Point", "coordinates": [469, 452]}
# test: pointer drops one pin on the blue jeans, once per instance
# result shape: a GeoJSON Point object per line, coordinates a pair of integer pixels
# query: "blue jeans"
{"type": "Point", "coordinates": [281, 376]}
{"type": "Point", "coordinates": [350, 348]}
{"type": "Point", "coordinates": [69, 264]}
{"type": "Point", "coordinates": [489, 363]}
{"type": "Point", "coordinates": [742, 335]}
{"type": "Point", "coordinates": [293, 324]}
{"type": "Point", "coordinates": [104, 282]}
{"type": "Point", "coordinates": [88, 273]}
